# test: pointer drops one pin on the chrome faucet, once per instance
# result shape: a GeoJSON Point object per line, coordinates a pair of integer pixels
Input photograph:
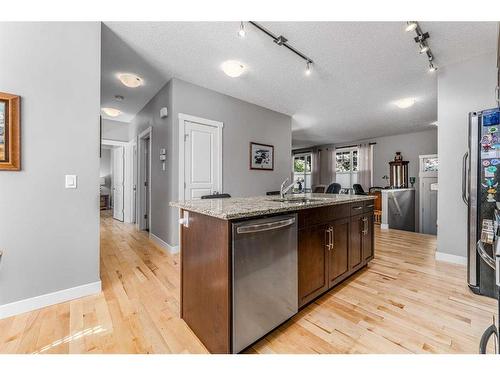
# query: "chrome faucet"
{"type": "Point", "coordinates": [284, 190]}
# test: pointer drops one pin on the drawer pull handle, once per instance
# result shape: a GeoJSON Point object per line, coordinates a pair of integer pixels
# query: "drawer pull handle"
{"type": "Point", "coordinates": [370, 206]}
{"type": "Point", "coordinates": [357, 208]}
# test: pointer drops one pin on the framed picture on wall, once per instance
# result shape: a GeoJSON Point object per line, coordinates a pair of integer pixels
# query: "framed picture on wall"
{"type": "Point", "coordinates": [261, 156]}
{"type": "Point", "coordinates": [10, 136]}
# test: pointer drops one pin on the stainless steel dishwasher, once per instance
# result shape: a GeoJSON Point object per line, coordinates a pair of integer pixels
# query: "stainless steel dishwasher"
{"type": "Point", "coordinates": [265, 280]}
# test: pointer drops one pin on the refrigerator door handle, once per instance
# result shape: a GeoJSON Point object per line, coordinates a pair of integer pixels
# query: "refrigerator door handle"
{"type": "Point", "coordinates": [465, 198]}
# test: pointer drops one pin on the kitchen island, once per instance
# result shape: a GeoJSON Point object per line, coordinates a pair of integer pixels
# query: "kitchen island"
{"type": "Point", "coordinates": [332, 235]}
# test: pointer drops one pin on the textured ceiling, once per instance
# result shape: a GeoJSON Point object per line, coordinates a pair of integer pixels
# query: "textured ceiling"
{"type": "Point", "coordinates": [359, 69]}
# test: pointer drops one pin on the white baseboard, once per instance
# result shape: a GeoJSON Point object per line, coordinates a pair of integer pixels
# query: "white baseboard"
{"type": "Point", "coordinates": [171, 249]}
{"type": "Point", "coordinates": [384, 226]}
{"type": "Point", "coordinates": [38, 302]}
{"type": "Point", "coordinates": [450, 258]}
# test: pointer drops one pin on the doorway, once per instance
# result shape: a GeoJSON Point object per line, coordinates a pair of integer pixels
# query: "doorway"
{"type": "Point", "coordinates": [144, 180]}
{"type": "Point", "coordinates": [200, 157]}
{"type": "Point", "coordinates": [115, 179]}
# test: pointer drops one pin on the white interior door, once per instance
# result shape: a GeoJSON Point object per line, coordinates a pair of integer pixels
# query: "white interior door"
{"type": "Point", "coordinates": [202, 160]}
{"type": "Point", "coordinates": [118, 183]}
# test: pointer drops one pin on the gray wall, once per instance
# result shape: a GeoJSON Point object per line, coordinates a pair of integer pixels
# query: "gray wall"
{"type": "Point", "coordinates": [115, 130]}
{"type": "Point", "coordinates": [411, 146]}
{"type": "Point", "coordinates": [49, 234]}
{"type": "Point", "coordinates": [162, 182]}
{"type": "Point", "coordinates": [243, 122]}
{"type": "Point", "coordinates": [462, 88]}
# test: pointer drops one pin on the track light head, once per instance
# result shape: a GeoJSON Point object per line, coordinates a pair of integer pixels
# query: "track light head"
{"type": "Point", "coordinates": [411, 25]}
{"type": "Point", "coordinates": [432, 68]}
{"type": "Point", "coordinates": [241, 32]}
{"type": "Point", "coordinates": [308, 68]}
{"type": "Point", "coordinates": [423, 48]}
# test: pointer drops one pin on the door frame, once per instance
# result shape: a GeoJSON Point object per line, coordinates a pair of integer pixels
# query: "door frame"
{"type": "Point", "coordinates": [127, 176]}
{"type": "Point", "coordinates": [182, 128]}
{"type": "Point", "coordinates": [142, 223]}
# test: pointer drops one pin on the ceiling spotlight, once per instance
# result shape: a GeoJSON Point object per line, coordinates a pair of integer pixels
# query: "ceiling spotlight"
{"type": "Point", "coordinates": [423, 48]}
{"type": "Point", "coordinates": [432, 67]}
{"type": "Point", "coordinates": [405, 103]}
{"type": "Point", "coordinates": [411, 25]}
{"type": "Point", "coordinates": [130, 80]}
{"type": "Point", "coordinates": [233, 68]}
{"type": "Point", "coordinates": [241, 33]}
{"type": "Point", "coordinates": [112, 112]}
{"type": "Point", "coordinates": [308, 68]}
{"type": "Point", "coordinates": [119, 98]}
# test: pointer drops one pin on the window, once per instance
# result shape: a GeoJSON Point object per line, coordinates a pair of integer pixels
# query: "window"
{"type": "Point", "coordinates": [302, 172]}
{"type": "Point", "coordinates": [346, 166]}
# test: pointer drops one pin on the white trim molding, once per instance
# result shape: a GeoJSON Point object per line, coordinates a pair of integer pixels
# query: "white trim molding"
{"type": "Point", "coordinates": [38, 302]}
{"type": "Point", "coordinates": [450, 258]}
{"type": "Point", "coordinates": [219, 125]}
{"type": "Point", "coordinates": [170, 248]}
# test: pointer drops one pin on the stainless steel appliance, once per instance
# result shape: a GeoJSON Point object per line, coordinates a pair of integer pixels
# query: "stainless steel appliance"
{"type": "Point", "coordinates": [265, 279]}
{"type": "Point", "coordinates": [480, 182]}
{"type": "Point", "coordinates": [490, 235]}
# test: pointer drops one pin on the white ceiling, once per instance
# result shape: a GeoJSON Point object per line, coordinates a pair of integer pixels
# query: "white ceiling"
{"type": "Point", "coordinates": [118, 57]}
{"type": "Point", "coordinates": [359, 69]}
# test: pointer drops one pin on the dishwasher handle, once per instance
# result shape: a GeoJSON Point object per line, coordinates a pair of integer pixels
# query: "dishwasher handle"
{"type": "Point", "coordinates": [265, 226]}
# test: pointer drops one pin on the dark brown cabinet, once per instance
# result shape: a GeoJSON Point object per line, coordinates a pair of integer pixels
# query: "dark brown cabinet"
{"type": "Point", "coordinates": [338, 251]}
{"type": "Point", "coordinates": [368, 236]}
{"type": "Point", "coordinates": [356, 249]}
{"type": "Point", "coordinates": [333, 243]}
{"type": "Point", "coordinates": [312, 262]}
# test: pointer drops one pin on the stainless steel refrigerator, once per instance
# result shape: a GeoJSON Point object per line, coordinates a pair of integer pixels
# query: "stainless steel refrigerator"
{"type": "Point", "coordinates": [481, 193]}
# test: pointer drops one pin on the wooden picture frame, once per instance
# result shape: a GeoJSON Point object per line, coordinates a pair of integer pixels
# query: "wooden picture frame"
{"type": "Point", "coordinates": [261, 157]}
{"type": "Point", "coordinates": [10, 132]}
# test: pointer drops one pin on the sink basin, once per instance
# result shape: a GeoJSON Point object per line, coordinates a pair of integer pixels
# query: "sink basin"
{"type": "Point", "coordinates": [296, 200]}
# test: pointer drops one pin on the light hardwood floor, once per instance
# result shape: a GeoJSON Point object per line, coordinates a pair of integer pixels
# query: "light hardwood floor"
{"type": "Point", "coordinates": [404, 302]}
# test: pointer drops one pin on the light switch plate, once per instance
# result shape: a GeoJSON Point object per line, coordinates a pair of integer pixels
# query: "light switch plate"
{"type": "Point", "coordinates": [70, 181]}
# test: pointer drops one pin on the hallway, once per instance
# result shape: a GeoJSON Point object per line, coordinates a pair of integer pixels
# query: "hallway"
{"type": "Point", "coordinates": [383, 309]}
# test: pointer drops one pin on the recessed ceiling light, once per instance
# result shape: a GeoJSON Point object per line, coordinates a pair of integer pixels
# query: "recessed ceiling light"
{"type": "Point", "coordinates": [411, 25]}
{"type": "Point", "coordinates": [405, 103]}
{"type": "Point", "coordinates": [112, 112]}
{"type": "Point", "coordinates": [233, 68]}
{"type": "Point", "coordinates": [130, 80]}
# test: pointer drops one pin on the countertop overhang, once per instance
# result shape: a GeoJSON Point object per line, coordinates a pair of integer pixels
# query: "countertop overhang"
{"type": "Point", "coordinates": [240, 208]}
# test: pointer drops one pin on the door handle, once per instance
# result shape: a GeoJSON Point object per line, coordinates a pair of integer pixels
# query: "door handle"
{"type": "Point", "coordinates": [266, 226]}
{"type": "Point", "coordinates": [365, 226]}
{"type": "Point", "coordinates": [332, 239]}
{"type": "Point", "coordinates": [329, 238]}
{"type": "Point", "coordinates": [465, 198]}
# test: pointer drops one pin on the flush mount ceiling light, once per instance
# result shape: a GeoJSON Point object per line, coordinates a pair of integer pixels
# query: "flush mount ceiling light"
{"type": "Point", "coordinates": [112, 112]}
{"type": "Point", "coordinates": [421, 40]}
{"type": "Point", "coordinates": [233, 68]}
{"type": "Point", "coordinates": [405, 103]}
{"type": "Point", "coordinates": [411, 25]}
{"type": "Point", "coordinates": [130, 79]}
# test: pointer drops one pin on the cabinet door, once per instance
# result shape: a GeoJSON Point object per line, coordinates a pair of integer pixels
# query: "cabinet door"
{"type": "Point", "coordinates": [338, 253]}
{"type": "Point", "coordinates": [313, 266]}
{"type": "Point", "coordinates": [355, 249]}
{"type": "Point", "coordinates": [368, 237]}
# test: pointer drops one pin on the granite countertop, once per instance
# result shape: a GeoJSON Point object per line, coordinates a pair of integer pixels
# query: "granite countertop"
{"type": "Point", "coordinates": [238, 208]}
